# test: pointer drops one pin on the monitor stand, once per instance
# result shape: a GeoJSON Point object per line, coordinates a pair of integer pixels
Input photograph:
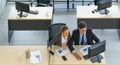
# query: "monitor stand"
{"type": "Point", "coordinates": [104, 11]}
{"type": "Point", "coordinates": [23, 14]}
{"type": "Point", "coordinates": [97, 58]}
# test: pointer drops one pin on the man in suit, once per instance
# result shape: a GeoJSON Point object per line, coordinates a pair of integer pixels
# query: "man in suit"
{"type": "Point", "coordinates": [81, 36]}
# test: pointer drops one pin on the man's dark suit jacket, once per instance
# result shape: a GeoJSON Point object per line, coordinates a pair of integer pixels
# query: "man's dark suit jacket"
{"type": "Point", "coordinates": [57, 40]}
{"type": "Point", "coordinates": [76, 35]}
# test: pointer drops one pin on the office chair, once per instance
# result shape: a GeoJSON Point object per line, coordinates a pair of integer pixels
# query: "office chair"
{"type": "Point", "coordinates": [54, 29]}
{"type": "Point", "coordinates": [95, 2]}
{"type": "Point", "coordinates": [43, 3]}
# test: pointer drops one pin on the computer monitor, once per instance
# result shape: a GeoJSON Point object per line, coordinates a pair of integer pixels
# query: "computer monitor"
{"type": "Point", "coordinates": [22, 7]}
{"type": "Point", "coordinates": [96, 49]}
{"type": "Point", "coordinates": [103, 5]}
{"type": "Point", "coordinates": [96, 2]}
{"type": "Point", "coordinates": [43, 1]}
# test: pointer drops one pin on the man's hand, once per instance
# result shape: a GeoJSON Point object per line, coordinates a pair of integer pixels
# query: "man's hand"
{"type": "Point", "coordinates": [77, 56]}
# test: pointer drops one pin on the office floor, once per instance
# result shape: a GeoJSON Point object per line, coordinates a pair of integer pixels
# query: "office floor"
{"type": "Point", "coordinates": [61, 15]}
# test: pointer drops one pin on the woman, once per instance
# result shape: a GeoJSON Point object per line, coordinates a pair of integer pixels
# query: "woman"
{"type": "Point", "coordinates": [61, 38]}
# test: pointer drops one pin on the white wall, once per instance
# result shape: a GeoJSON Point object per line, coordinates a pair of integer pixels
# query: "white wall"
{"type": "Point", "coordinates": [2, 5]}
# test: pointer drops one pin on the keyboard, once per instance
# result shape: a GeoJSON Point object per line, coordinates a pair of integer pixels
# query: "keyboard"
{"type": "Point", "coordinates": [34, 12]}
{"type": "Point", "coordinates": [86, 56]}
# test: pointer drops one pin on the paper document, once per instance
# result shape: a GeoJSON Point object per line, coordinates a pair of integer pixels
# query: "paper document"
{"type": "Point", "coordinates": [84, 50]}
{"type": "Point", "coordinates": [62, 51]}
{"type": "Point", "coordinates": [35, 57]}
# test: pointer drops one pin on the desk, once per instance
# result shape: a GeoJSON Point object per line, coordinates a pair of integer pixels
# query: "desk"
{"type": "Point", "coordinates": [98, 21]}
{"type": "Point", "coordinates": [31, 22]}
{"type": "Point", "coordinates": [9, 55]}
{"type": "Point", "coordinates": [71, 60]}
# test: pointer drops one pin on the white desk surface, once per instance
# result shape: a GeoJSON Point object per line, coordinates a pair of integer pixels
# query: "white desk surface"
{"type": "Point", "coordinates": [84, 12]}
{"type": "Point", "coordinates": [15, 55]}
{"type": "Point", "coordinates": [45, 13]}
{"type": "Point", "coordinates": [71, 60]}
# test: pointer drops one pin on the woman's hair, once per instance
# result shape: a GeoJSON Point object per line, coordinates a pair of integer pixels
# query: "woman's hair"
{"type": "Point", "coordinates": [63, 28]}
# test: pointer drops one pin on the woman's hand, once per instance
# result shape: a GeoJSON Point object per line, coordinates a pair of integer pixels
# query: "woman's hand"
{"type": "Point", "coordinates": [64, 45]}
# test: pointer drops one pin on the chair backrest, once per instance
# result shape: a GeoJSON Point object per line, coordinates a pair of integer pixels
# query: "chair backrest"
{"type": "Point", "coordinates": [54, 29]}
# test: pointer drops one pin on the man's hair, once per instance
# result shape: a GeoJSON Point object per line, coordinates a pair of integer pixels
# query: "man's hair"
{"type": "Point", "coordinates": [82, 24]}
{"type": "Point", "coordinates": [63, 28]}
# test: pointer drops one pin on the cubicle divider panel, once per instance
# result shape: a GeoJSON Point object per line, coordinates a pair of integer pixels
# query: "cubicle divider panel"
{"type": "Point", "coordinates": [28, 24]}
{"type": "Point", "coordinates": [101, 23]}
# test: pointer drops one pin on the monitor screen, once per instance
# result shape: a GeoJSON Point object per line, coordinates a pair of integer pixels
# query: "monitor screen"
{"type": "Point", "coordinates": [21, 6]}
{"type": "Point", "coordinates": [96, 49]}
{"type": "Point", "coordinates": [43, 1]}
{"type": "Point", "coordinates": [103, 4]}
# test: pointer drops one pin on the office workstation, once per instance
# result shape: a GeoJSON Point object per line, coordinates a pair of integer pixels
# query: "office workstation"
{"type": "Point", "coordinates": [79, 49]}
{"type": "Point", "coordinates": [98, 20]}
{"type": "Point", "coordinates": [79, 34]}
{"type": "Point", "coordinates": [12, 55]}
{"type": "Point", "coordinates": [71, 60]}
{"type": "Point", "coordinates": [109, 21]}
{"type": "Point", "coordinates": [39, 21]}
{"type": "Point", "coordinates": [16, 55]}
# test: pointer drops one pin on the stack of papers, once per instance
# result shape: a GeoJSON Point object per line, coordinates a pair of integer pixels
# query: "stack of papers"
{"type": "Point", "coordinates": [62, 51]}
{"type": "Point", "coordinates": [84, 50]}
{"type": "Point", "coordinates": [35, 57]}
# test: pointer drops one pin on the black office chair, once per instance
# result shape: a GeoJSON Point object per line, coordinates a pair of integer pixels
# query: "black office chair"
{"type": "Point", "coordinates": [95, 2]}
{"type": "Point", "coordinates": [54, 29]}
{"type": "Point", "coordinates": [43, 3]}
